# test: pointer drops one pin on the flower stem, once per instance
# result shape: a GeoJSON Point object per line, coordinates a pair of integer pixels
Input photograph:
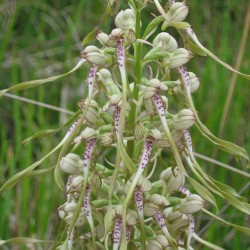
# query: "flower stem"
{"type": "Point", "coordinates": [138, 71]}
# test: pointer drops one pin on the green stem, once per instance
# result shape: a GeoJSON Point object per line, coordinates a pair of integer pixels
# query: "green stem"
{"type": "Point", "coordinates": [143, 236]}
{"type": "Point", "coordinates": [138, 69]}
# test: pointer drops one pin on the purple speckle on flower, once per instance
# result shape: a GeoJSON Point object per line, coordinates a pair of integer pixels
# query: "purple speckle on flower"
{"type": "Point", "coordinates": [139, 199]}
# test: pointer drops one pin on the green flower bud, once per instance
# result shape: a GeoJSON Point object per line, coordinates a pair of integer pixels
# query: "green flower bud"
{"type": "Point", "coordinates": [131, 218]}
{"type": "Point", "coordinates": [149, 106]}
{"type": "Point", "coordinates": [150, 209]}
{"type": "Point", "coordinates": [92, 115]}
{"type": "Point", "coordinates": [164, 143]}
{"type": "Point", "coordinates": [95, 180]}
{"type": "Point", "coordinates": [153, 86]}
{"type": "Point", "coordinates": [81, 219]}
{"type": "Point", "coordinates": [159, 200]}
{"type": "Point", "coordinates": [154, 245]}
{"type": "Point", "coordinates": [194, 82]}
{"type": "Point", "coordinates": [87, 133]}
{"type": "Point", "coordinates": [172, 179]}
{"type": "Point", "coordinates": [125, 20]}
{"type": "Point", "coordinates": [176, 220]}
{"type": "Point", "coordinates": [184, 119]}
{"type": "Point", "coordinates": [177, 12]}
{"type": "Point", "coordinates": [155, 134]}
{"type": "Point", "coordinates": [143, 183]}
{"type": "Point", "coordinates": [178, 58]}
{"type": "Point", "coordinates": [162, 240]}
{"type": "Point", "coordinates": [67, 207]}
{"type": "Point", "coordinates": [102, 38]}
{"type": "Point", "coordinates": [94, 55]}
{"type": "Point", "coordinates": [71, 164]}
{"type": "Point", "coordinates": [76, 183]}
{"type": "Point", "coordinates": [118, 210]}
{"type": "Point", "coordinates": [191, 204]}
{"type": "Point", "coordinates": [105, 77]}
{"type": "Point", "coordinates": [166, 42]}
{"type": "Point", "coordinates": [139, 131]}
{"type": "Point", "coordinates": [194, 85]}
{"type": "Point", "coordinates": [106, 138]}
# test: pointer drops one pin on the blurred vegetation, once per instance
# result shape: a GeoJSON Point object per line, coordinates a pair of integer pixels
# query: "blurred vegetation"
{"type": "Point", "coordinates": [43, 38]}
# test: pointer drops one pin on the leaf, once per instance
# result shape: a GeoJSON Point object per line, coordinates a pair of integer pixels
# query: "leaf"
{"type": "Point", "coordinates": [195, 49]}
{"type": "Point", "coordinates": [47, 132]}
{"type": "Point", "coordinates": [179, 25]}
{"type": "Point", "coordinates": [203, 192]}
{"type": "Point", "coordinates": [39, 134]}
{"type": "Point", "coordinates": [228, 189]}
{"type": "Point", "coordinates": [237, 227]}
{"type": "Point", "coordinates": [193, 37]}
{"type": "Point", "coordinates": [39, 172]}
{"type": "Point", "coordinates": [23, 240]}
{"type": "Point", "coordinates": [17, 177]}
{"type": "Point", "coordinates": [35, 83]}
{"type": "Point", "coordinates": [152, 26]}
{"type": "Point", "coordinates": [204, 178]}
{"type": "Point", "coordinates": [155, 54]}
{"type": "Point", "coordinates": [206, 243]}
{"type": "Point", "coordinates": [221, 144]}
{"type": "Point", "coordinates": [91, 36]}
{"type": "Point", "coordinates": [128, 163]}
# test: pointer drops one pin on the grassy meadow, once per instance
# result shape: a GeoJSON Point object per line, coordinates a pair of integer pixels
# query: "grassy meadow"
{"type": "Point", "coordinates": [43, 38]}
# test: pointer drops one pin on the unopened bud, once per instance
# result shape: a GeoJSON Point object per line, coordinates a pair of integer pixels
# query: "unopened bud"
{"type": "Point", "coordinates": [150, 209]}
{"type": "Point", "coordinates": [143, 183]}
{"type": "Point", "coordinates": [105, 77]}
{"type": "Point", "coordinates": [71, 164]}
{"type": "Point", "coordinates": [76, 183]}
{"type": "Point", "coordinates": [95, 180]}
{"type": "Point", "coordinates": [125, 20]}
{"type": "Point", "coordinates": [94, 55]}
{"type": "Point", "coordinates": [177, 221]}
{"type": "Point", "coordinates": [149, 106]}
{"type": "Point", "coordinates": [131, 218]}
{"type": "Point", "coordinates": [164, 143]}
{"type": "Point", "coordinates": [173, 179]}
{"type": "Point", "coordinates": [102, 38]}
{"type": "Point", "coordinates": [154, 245]}
{"type": "Point", "coordinates": [155, 134]}
{"type": "Point", "coordinates": [191, 204]}
{"type": "Point", "coordinates": [177, 12]}
{"type": "Point", "coordinates": [166, 42]}
{"type": "Point", "coordinates": [162, 240]}
{"type": "Point", "coordinates": [194, 82]}
{"type": "Point", "coordinates": [106, 138]}
{"type": "Point", "coordinates": [87, 133]}
{"type": "Point", "coordinates": [159, 200]}
{"type": "Point", "coordinates": [116, 33]}
{"type": "Point", "coordinates": [178, 58]}
{"type": "Point", "coordinates": [115, 100]}
{"type": "Point", "coordinates": [118, 210]}
{"type": "Point", "coordinates": [139, 131]}
{"type": "Point", "coordinates": [81, 219]}
{"type": "Point", "coordinates": [92, 115]}
{"type": "Point", "coordinates": [184, 119]}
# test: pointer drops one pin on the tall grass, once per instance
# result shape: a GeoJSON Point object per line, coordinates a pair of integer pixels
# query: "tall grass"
{"type": "Point", "coordinates": [44, 38]}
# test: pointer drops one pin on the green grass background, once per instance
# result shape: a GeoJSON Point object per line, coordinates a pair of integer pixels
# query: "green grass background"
{"type": "Point", "coordinates": [43, 38]}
